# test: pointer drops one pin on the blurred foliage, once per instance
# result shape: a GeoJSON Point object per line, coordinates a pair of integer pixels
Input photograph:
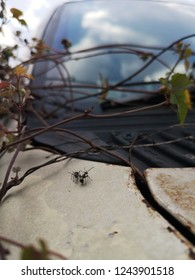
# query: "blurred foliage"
{"type": "Point", "coordinates": [29, 252]}
{"type": "Point", "coordinates": [32, 253]}
{"type": "Point", "coordinates": [176, 85]}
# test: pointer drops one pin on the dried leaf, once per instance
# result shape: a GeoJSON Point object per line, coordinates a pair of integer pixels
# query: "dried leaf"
{"type": "Point", "coordinates": [21, 71]}
{"type": "Point", "coordinates": [16, 13]}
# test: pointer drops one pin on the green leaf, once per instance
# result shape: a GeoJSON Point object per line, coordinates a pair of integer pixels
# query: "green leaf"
{"type": "Point", "coordinates": [179, 83]}
{"type": "Point", "coordinates": [22, 22]}
{"type": "Point", "coordinates": [182, 113]}
{"type": "Point", "coordinates": [17, 14]}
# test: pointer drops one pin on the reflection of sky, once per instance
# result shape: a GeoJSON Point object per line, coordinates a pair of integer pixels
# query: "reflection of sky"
{"type": "Point", "coordinates": [148, 25]}
{"type": "Point", "coordinates": [104, 30]}
{"type": "Point", "coordinates": [100, 26]}
{"type": "Point", "coordinates": [37, 12]}
{"type": "Point", "coordinates": [104, 23]}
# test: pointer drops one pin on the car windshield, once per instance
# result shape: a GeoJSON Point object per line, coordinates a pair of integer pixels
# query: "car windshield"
{"type": "Point", "coordinates": [115, 45]}
{"type": "Point", "coordinates": [102, 69]}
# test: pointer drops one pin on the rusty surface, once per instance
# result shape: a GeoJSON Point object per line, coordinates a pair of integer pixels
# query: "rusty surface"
{"type": "Point", "coordinates": [174, 189]}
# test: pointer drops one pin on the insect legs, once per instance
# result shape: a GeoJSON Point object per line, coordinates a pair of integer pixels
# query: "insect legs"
{"type": "Point", "coordinates": [81, 177]}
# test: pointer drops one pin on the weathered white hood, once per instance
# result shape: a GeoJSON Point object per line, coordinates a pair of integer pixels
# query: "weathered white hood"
{"type": "Point", "coordinates": [105, 219]}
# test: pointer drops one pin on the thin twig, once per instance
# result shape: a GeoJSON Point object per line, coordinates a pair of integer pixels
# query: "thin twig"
{"type": "Point", "coordinates": [9, 169]}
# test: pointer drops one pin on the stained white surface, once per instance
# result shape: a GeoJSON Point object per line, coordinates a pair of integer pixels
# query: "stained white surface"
{"type": "Point", "coordinates": [174, 189]}
{"type": "Point", "coordinates": [106, 219]}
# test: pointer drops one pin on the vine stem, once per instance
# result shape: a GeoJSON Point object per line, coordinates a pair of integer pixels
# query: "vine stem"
{"type": "Point", "coordinates": [18, 148]}
{"type": "Point", "coordinates": [84, 115]}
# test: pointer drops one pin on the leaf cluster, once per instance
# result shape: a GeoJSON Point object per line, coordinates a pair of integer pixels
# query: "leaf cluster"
{"type": "Point", "coordinates": [17, 14]}
{"type": "Point", "coordinates": [32, 253]}
{"type": "Point", "coordinates": [177, 92]}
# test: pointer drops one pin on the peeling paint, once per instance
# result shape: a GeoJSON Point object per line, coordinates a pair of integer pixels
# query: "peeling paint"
{"type": "Point", "coordinates": [148, 205]}
{"type": "Point", "coordinates": [178, 235]}
{"type": "Point", "coordinates": [131, 178]}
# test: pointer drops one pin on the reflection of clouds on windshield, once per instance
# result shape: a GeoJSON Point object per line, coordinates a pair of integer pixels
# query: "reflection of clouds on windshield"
{"type": "Point", "coordinates": [89, 70]}
{"type": "Point", "coordinates": [91, 19]}
{"type": "Point", "coordinates": [160, 72]}
{"type": "Point", "coordinates": [106, 25]}
{"type": "Point", "coordinates": [103, 25]}
{"type": "Point", "coordinates": [129, 66]}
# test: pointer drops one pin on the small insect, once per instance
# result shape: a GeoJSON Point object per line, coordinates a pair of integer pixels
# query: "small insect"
{"type": "Point", "coordinates": [81, 177]}
{"type": "Point", "coordinates": [75, 176]}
